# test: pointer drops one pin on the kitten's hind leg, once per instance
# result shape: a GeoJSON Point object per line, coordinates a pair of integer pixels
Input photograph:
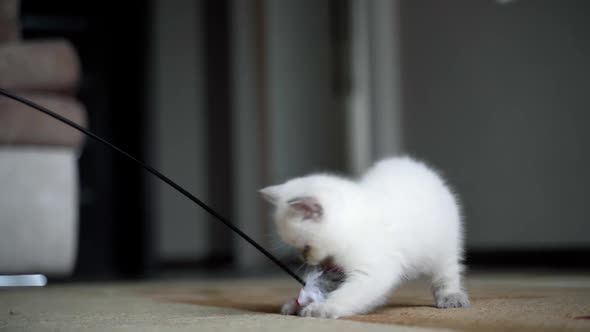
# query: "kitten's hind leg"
{"type": "Point", "coordinates": [446, 287]}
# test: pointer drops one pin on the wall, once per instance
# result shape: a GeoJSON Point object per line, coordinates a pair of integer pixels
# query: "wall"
{"type": "Point", "coordinates": [178, 129]}
{"type": "Point", "coordinates": [307, 130]}
{"type": "Point", "coordinates": [497, 97]}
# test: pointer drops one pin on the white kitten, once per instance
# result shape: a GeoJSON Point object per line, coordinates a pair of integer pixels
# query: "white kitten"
{"type": "Point", "coordinates": [397, 222]}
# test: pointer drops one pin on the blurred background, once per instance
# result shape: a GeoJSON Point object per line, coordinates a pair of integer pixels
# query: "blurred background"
{"type": "Point", "coordinates": [228, 96]}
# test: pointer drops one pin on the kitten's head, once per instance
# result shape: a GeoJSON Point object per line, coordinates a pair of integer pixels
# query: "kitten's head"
{"type": "Point", "coordinates": [306, 213]}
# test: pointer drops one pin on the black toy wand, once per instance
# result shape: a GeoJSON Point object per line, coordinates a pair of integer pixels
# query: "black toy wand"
{"type": "Point", "coordinates": [158, 175]}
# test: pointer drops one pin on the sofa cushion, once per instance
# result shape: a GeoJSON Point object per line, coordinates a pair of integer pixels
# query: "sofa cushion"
{"type": "Point", "coordinates": [38, 210]}
{"type": "Point", "coordinates": [49, 65]}
{"type": "Point", "coordinates": [22, 125]}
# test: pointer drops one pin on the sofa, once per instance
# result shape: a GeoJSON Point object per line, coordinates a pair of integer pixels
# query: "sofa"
{"type": "Point", "coordinates": [39, 187]}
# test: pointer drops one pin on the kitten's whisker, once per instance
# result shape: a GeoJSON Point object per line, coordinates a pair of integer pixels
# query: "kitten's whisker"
{"type": "Point", "coordinates": [359, 272]}
{"type": "Point", "coordinates": [299, 268]}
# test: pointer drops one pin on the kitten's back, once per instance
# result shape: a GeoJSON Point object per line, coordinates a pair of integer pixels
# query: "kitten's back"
{"type": "Point", "coordinates": [401, 172]}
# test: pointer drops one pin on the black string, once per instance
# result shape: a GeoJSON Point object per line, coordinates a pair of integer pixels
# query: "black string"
{"type": "Point", "coordinates": [158, 175]}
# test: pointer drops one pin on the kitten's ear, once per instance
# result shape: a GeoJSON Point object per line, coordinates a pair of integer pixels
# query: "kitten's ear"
{"type": "Point", "coordinates": [309, 207]}
{"type": "Point", "coordinates": [271, 194]}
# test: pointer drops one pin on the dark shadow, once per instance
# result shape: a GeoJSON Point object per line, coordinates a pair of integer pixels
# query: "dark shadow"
{"type": "Point", "coordinates": [403, 306]}
{"type": "Point", "coordinates": [228, 303]}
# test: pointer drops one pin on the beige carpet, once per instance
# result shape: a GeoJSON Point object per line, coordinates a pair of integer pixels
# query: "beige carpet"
{"type": "Point", "coordinates": [500, 303]}
{"type": "Point", "coordinates": [126, 308]}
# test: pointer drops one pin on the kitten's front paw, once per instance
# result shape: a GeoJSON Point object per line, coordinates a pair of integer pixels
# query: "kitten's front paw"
{"type": "Point", "coordinates": [454, 300]}
{"type": "Point", "coordinates": [319, 310]}
{"type": "Point", "coordinates": [289, 308]}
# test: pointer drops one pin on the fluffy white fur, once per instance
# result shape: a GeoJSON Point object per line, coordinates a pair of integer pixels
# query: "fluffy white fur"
{"type": "Point", "coordinates": [398, 221]}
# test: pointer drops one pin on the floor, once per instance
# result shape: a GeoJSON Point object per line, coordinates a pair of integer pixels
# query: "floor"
{"type": "Point", "coordinates": [518, 302]}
